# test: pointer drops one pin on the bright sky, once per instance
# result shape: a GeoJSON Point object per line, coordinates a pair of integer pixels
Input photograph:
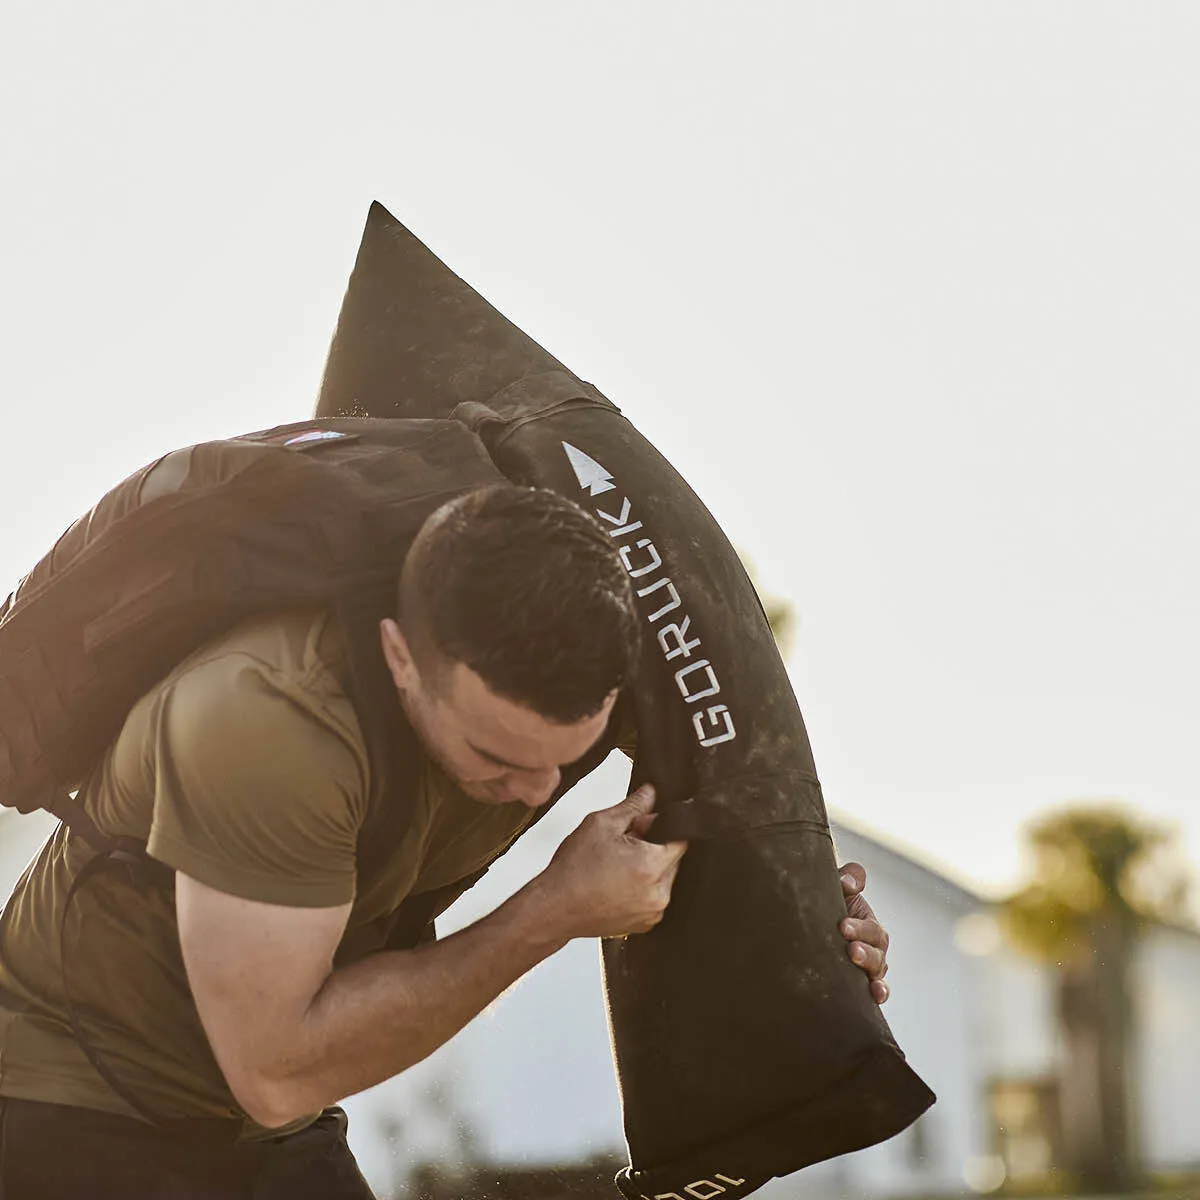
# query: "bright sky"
{"type": "Point", "coordinates": [907, 292]}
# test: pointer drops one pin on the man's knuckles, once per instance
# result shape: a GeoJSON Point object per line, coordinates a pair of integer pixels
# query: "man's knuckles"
{"type": "Point", "coordinates": [642, 824]}
{"type": "Point", "coordinates": [869, 958]}
{"type": "Point", "coordinates": [869, 931]}
{"type": "Point", "coordinates": [594, 822]}
{"type": "Point", "coordinates": [641, 801]}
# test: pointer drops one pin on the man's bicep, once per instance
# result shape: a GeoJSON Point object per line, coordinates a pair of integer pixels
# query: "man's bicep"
{"type": "Point", "coordinates": [254, 969]}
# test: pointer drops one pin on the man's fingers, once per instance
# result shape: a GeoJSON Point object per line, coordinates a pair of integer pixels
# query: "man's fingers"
{"type": "Point", "coordinates": [627, 815]}
{"type": "Point", "coordinates": [672, 869]}
{"type": "Point", "coordinates": [868, 945]}
{"type": "Point", "coordinates": [668, 876]}
{"type": "Point", "coordinates": [635, 809]}
{"type": "Point", "coordinates": [676, 850]}
{"type": "Point", "coordinates": [641, 800]}
{"type": "Point", "coordinates": [854, 879]}
{"type": "Point", "coordinates": [865, 930]}
{"type": "Point", "coordinates": [868, 940]}
{"type": "Point", "coordinates": [869, 958]}
{"type": "Point", "coordinates": [640, 825]}
{"type": "Point", "coordinates": [671, 852]}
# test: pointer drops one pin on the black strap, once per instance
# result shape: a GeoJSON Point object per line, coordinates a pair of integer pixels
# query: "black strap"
{"type": "Point", "coordinates": [97, 863]}
{"type": "Point", "coordinates": [130, 855]}
{"type": "Point", "coordinates": [410, 924]}
{"type": "Point", "coordinates": [703, 820]}
{"type": "Point", "coordinates": [68, 809]}
{"type": "Point", "coordinates": [393, 754]}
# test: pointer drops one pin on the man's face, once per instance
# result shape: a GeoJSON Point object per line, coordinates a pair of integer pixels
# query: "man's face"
{"type": "Point", "coordinates": [497, 751]}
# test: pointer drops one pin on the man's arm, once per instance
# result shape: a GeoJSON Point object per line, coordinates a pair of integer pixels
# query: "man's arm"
{"type": "Point", "coordinates": [291, 1034]}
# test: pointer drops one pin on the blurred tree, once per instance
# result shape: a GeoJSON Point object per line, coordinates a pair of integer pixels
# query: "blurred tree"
{"type": "Point", "coordinates": [1101, 874]}
{"type": "Point", "coordinates": [781, 615]}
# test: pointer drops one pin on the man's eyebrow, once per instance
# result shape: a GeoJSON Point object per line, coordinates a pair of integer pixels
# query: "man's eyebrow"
{"type": "Point", "coordinates": [512, 766]}
{"type": "Point", "coordinates": [500, 762]}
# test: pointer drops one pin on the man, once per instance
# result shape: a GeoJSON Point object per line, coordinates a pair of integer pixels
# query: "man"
{"type": "Point", "coordinates": [238, 1010]}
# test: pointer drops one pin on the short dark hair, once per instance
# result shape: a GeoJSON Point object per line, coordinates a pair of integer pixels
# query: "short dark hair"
{"type": "Point", "coordinates": [526, 588]}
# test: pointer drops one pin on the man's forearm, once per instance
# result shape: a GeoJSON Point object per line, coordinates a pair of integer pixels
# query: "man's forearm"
{"type": "Point", "coordinates": [379, 1016]}
{"type": "Point", "coordinates": [292, 1034]}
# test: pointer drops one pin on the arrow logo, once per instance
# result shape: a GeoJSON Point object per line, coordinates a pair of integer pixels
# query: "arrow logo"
{"type": "Point", "coordinates": [588, 471]}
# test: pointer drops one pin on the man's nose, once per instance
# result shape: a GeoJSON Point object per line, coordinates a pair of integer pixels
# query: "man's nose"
{"type": "Point", "coordinates": [534, 788]}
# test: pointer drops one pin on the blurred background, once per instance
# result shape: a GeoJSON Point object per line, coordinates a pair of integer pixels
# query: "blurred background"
{"type": "Point", "coordinates": [907, 294]}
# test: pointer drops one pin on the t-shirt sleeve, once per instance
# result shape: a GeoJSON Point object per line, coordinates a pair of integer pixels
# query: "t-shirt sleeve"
{"type": "Point", "coordinates": [259, 789]}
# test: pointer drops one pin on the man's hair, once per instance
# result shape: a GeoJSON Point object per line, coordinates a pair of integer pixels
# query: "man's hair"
{"type": "Point", "coordinates": [524, 587]}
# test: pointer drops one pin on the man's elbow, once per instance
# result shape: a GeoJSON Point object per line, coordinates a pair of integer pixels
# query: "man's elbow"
{"type": "Point", "coordinates": [266, 1101]}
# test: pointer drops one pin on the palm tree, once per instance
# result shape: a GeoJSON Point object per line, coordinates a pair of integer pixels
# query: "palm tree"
{"type": "Point", "coordinates": [1100, 878]}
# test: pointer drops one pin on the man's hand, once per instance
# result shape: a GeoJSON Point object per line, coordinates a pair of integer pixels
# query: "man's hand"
{"type": "Point", "coordinates": [868, 939]}
{"type": "Point", "coordinates": [605, 880]}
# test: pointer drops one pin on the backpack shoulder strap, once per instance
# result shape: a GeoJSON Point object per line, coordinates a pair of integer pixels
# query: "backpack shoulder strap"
{"type": "Point", "coordinates": [394, 755]}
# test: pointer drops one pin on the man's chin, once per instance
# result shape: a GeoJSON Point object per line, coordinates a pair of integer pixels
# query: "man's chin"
{"type": "Point", "coordinates": [483, 793]}
{"type": "Point", "coordinates": [479, 790]}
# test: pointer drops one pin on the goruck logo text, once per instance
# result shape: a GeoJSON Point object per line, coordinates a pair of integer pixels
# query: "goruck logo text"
{"type": "Point", "coordinates": [695, 677]}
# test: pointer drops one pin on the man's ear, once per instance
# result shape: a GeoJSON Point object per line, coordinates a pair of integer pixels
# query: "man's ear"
{"type": "Point", "coordinates": [397, 654]}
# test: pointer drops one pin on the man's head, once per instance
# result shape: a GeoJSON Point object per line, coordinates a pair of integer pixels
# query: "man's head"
{"type": "Point", "coordinates": [516, 629]}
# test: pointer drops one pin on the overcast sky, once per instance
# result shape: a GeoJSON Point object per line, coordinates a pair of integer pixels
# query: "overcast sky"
{"type": "Point", "coordinates": [907, 292]}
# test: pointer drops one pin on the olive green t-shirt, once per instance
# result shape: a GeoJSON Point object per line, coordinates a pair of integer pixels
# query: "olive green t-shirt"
{"type": "Point", "coordinates": [246, 769]}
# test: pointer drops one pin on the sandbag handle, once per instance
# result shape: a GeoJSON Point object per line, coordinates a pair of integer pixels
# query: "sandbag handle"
{"type": "Point", "coordinates": [705, 820]}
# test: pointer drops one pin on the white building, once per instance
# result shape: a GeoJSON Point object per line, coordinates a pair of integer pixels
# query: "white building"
{"type": "Point", "coordinates": [530, 1081]}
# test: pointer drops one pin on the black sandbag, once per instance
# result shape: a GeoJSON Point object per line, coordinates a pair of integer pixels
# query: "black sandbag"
{"type": "Point", "coordinates": [747, 1045]}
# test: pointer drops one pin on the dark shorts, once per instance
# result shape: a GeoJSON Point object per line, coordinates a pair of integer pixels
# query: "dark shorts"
{"type": "Point", "coordinates": [54, 1152]}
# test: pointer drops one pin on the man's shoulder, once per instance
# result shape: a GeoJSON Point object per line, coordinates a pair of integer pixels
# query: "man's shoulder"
{"type": "Point", "coordinates": [302, 644]}
{"type": "Point", "coordinates": [261, 777]}
{"type": "Point", "coordinates": [271, 687]}
{"type": "Point", "coordinates": [300, 654]}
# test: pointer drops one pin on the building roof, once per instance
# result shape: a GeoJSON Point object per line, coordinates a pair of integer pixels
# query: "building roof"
{"type": "Point", "coordinates": [925, 871]}
{"type": "Point", "coordinates": [920, 869]}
